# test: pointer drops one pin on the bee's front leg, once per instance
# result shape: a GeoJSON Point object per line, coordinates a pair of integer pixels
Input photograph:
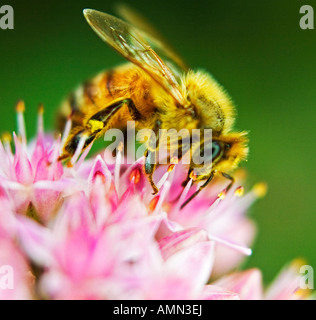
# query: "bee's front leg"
{"type": "Point", "coordinates": [232, 180]}
{"type": "Point", "coordinates": [208, 180]}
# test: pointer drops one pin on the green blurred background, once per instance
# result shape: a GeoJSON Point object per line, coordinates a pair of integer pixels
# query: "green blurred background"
{"type": "Point", "coordinates": [256, 49]}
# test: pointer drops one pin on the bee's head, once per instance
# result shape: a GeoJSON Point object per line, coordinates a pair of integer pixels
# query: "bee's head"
{"type": "Point", "coordinates": [219, 154]}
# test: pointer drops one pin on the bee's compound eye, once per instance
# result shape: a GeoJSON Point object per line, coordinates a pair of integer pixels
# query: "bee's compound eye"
{"type": "Point", "coordinates": [210, 152]}
{"type": "Point", "coordinates": [216, 149]}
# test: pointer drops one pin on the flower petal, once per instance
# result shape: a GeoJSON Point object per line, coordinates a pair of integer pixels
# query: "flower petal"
{"type": "Point", "coordinates": [247, 284]}
{"type": "Point", "coordinates": [179, 240]}
{"type": "Point", "coordinates": [36, 241]}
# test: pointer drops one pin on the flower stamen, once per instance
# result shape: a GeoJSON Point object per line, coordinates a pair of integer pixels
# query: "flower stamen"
{"type": "Point", "coordinates": [222, 195]}
{"type": "Point", "coordinates": [163, 179]}
{"type": "Point", "coordinates": [67, 130]}
{"type": "Point", "coordinates": [117, 169]}
{"type": "Point", "coordinates": [135, 176]}
{"type": "Point", "coordinates": [20, 109]}
{"type": "Point", "coordinates": [244, 250]}
{"type": "Point", "coordinates": [162, 196]}
{"type": "Point", "coordinates": [40, 120]}
{"type": "Point", "coordinates": [260, 189]}
{"type": "Point", "coordinates": [79, 149]}
{"type": "Point", "coordinates": [7, 139]}
{"type": "Point", "coordinates": [153, 204]}
{"type": "Point", "coordinates": [182, 197]}
{"type": "Point", "coordinates": [239, 192]}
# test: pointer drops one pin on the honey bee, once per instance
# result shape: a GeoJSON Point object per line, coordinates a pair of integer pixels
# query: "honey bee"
{"type": "Point", "coordinates": [157, 93]}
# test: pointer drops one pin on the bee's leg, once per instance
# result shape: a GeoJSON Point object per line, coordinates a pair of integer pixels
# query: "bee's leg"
{"type": "Point", "coordinates": [151, 156]}
{"type": "Point", "coordinates": [209, 179]}
{"type": "Point", "coordinates": [95, 125]}
{"type": "Point", "coordinates": [232, 180]}
{"type": "Point", "coordinates": [186, 181]}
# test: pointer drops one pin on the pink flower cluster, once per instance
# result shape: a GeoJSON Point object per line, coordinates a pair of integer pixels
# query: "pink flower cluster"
{"type": "Point", "coordinates": [95, 231]}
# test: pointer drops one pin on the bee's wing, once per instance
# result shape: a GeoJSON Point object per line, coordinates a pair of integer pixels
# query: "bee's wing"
{"type": "Point", "coordinates": [131, 43]}
{"type": "Point", "coordinates": [156, 40]}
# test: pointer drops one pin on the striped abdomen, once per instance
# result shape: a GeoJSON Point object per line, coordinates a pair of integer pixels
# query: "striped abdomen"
{"type": "Point", "coordinates": [127, 81]}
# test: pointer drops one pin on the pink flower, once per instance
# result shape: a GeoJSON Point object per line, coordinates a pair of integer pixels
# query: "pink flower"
{"type": "Point", "coordinates": [109, 249]}
{"type": "Point", "coordinates": [95, 231]}
{"type": "Point", "coordinates": [222, 215]}
{"type": "Point", "coordinates": [31, 177]}
{"type": "Point", "coordinates": [248, 284]}
{"type": "Point", "coordinates": [16, 279]}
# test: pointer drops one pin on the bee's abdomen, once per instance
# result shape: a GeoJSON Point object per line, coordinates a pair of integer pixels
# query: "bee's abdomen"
{"type": "Point", "coordinates": [126, 82]}
{"type": "Point", "coordinates": [86, 99]}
